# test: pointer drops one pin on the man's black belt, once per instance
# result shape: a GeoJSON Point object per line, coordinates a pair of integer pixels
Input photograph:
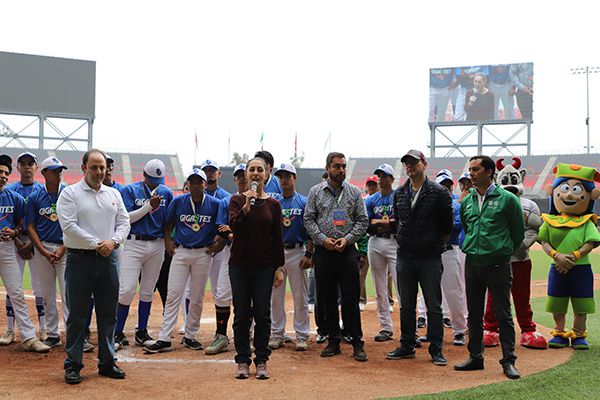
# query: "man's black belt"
{"type": "Point", "coordinates": [289, 246]}
{"type": "Point", "coordinates": [386, 235]}
{"type": "Point", "coordinates": [84, 252]}
{"type": "Point", "coordinates": [142, 237]}
{"type": "Point", "coordinates": [191, 247]}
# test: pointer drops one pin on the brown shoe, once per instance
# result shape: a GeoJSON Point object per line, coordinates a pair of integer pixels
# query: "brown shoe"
{"type": "Point", "coordinates": [242, 371]}
{"type": "Point", "coordinates": [262, 371]}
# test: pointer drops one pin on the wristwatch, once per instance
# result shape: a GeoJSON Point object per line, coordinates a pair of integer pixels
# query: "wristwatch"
{"type": "Point", "coordinates": [117, 244]}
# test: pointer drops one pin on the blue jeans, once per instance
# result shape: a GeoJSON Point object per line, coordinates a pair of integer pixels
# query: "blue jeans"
{"type": "Point", "coordinates": [88, 273]}
{"type": "Point", "coordinates": [427, 272]}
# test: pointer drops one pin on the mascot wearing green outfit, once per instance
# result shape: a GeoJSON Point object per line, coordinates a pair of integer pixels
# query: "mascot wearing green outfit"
{"type": "Point", "coordinates": [568, 235]}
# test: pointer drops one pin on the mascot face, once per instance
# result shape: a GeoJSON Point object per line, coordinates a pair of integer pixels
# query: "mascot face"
{"type": "Point", "coordinates": [510, 177]}
{"type": "Point", "coordinates": [573, 191]}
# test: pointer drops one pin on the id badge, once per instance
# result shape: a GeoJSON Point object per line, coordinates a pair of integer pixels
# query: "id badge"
{"type": "Point", "coordinates": [339, 218]}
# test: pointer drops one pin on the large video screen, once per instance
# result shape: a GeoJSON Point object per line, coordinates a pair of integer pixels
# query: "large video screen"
{"type": "Point", "coordinates": [481, 93]}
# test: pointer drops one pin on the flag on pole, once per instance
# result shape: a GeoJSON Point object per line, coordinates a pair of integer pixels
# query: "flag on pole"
{"type": "Point", "coordinates": [296, 143]}
{"type": "Point", "coordinates": [196, 138]}
{"type": "Point", "coordinates": [262, 139]}
{"type": "Point", "coordinates": [328, 141]}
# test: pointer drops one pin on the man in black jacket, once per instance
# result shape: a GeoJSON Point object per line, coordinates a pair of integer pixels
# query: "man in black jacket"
{"type": "Point", "coordinates": [424, 220]}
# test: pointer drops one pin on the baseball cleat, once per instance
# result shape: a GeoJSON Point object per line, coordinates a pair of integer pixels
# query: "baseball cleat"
{"type": "Point", "coordinates": [141, 337]}
{"type": "Point", "coordinates": [276, 343]}
{"type": "Point", "coordinates": [219, 345]}
{"type": "Point", "coordinates": [421, 322]}
{"type": "Point", "coordinates": [192, 344]}
{"type": "Point", "coordinates": [301, 345]}
{"type": "Point", "coordinates": [533, 340]}
{"type": "Point", "coordinates": [87, 346]}
{"type": "Point", "coordinates": [383, 336]}
{"type": "Point", "coordinates": [181, 330]}
{"type": "Point", "coordinates": [287, 338]}
{"type": "Point", "coordinates": [120, 341]}
{"type": "Point", "coordinates": [447, 323]}
{"type": "Point", "coordinates": [52, 342]}
{"type": "Point", "coordinates": [7, 338]}
{"type": "Point", "coordinates": [34, 345]}
{"type": "Point", "coordinates": [158, 347]}
{"type": "Point", "coordinates": [43, 334]}
{"type": "Point", "coordinates": [459, 339]}
{"type": "Point", "coordinates": [321, 338]}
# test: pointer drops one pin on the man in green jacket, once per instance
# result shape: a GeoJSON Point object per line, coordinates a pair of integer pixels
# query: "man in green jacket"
{"type": "Point", "coordinates": [494, 228]}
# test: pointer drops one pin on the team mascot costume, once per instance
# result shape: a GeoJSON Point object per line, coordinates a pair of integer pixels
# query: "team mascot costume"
{"type": "Point", "coordinates": [568, 234]}
{"type": "Point", "coordinates": [510, 178]}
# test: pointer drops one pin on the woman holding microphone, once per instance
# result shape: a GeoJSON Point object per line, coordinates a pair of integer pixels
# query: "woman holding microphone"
{"type": "Point", "coordinates": [256, 253]}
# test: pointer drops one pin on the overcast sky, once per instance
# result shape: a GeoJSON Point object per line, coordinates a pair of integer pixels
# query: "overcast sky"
{"type": "Point", "coordinates": [357, 69]}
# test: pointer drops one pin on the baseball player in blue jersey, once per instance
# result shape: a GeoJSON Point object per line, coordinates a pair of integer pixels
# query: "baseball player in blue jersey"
{"type": "Point", "coordinates": [194, 216]}
{"type": "Point", "coordinates": [45, 233]}
{"type": "Point", "coordinates": [108, 177]}
{"type": "Point", "coordinates": [12, 209]}
{"type": "Point", "coordinates": [297, 260]}
{"type": "Point", "coordinates": [272, 184]}
{"type": "Point", "coordinates": [223, 295]}
{"type": "Point", "coordinates": [382, 246]}
{"type": "Point", "coordinates": [27, 165]}
{"type": "Point", "coordinates": [147, 202]}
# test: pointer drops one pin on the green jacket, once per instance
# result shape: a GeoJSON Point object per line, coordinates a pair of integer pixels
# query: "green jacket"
{"type": "Point", "coordinates": [492, 235]}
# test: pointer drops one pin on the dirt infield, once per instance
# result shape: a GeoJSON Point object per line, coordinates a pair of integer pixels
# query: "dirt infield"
{"type": "Point", "coordinates": [295, 375]}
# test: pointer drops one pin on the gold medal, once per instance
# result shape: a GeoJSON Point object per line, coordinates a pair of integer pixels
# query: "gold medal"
{"type": "Point", "coordinates": [53, 217]}
{"type": "Point", "coordinates": [195, 227]}
{"type": "Point", "coordinates": [287, 222]}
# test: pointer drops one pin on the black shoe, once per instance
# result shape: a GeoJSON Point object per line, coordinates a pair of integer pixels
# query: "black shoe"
{"type": "Point", "coordinates": [439, 359]}
{"type": "Point", "coordinates": [401, 353]}
{"type": "Point", "coordinates": [460, 339]}
{"type": "Point", "coordinates": [113, 372]}
{"type": "Point", "coordinates": [421, 322]}
{"type": "Point", "coordinates": [423, 339]}
{"type": "Point", "coordinates": [472, 364]}
{"type": "Point", "coordinates": [331, 350]}
{"type": "Point", "coordinates": [158, 347]}
{"type": "Point", "coordinates": [72, 377]}
{"type": "Point", "coordinates": [321, 338]}
{"type": "Point", "coordinates": [347, 338]}
{"type": "Point", "coordinates": [52, 342]}
{"type": "Point", "coordinates": [418, 344]}
{"type": "Point", "coordinates": [510, 371]}
{"type": "Point", "coordinates": [141, 337]}
{"type": "Point", "coordinates": [192, 344]}
{"type": "Point", "coordinates": [359, 352]}
{"type": "Point", "coordinates": [447, 323]}
{"type": "Point", "coordinates": [383, 336]}
{"type": "Point", "coordinates": [120, 341]}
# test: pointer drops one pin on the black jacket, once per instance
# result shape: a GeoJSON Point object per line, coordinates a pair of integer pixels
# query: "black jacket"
{"type": "Point", "coordinates": [421, 230]}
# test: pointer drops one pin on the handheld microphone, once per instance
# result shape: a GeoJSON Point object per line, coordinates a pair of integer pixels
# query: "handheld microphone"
{"type": "Point", "coordinates": [253, 186]}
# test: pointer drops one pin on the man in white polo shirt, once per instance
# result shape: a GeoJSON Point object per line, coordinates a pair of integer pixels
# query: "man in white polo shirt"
{"type": "Point", "coordinates": [94, 223]}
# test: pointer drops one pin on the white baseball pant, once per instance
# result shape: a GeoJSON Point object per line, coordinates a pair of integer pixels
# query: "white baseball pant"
{"type": "Point", "coordinates": [145, 256]}
{"type": "Point", "coordinates": [12, 279]}
{"type": "Point", "coordinates": [195, 264]}
{"type": "Point", "coordinates": [215, 267]}
{"type": "Point", "coordinates": [48, 274]}
{"type": "Point", "coordinates": [299, 289]}
{"type": "Point", "coordinates": [453, 289]}
{"type": "Point", "coordinates": [382, 260]}
{"type": "Point", "coordinates": [223, 296]}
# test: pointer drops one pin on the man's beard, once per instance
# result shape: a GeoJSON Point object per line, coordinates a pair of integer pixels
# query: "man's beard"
{"type": "Point", "coordinates": [339, 178]}
{"type": "Point", "coordinates": [211, 181]}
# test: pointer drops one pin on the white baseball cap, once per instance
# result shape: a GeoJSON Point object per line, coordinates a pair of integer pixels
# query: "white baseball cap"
{"type": "Point", "coordinates": [52, 163]}
{"type": "Point", "coordinates": [386, 169]}
{"type": "Point", "coordinates": [155, 170]}
{"type": "Point", "coordinates": [27, 154]}
{"type": "Point", "coordinates": [444, 175]}
{"type": "Point", "coordinates": [197, 172]}
{"type": "Point", "coordinates": [238, 168]}
{"type": "Point", "coordinates": [466, 175]}
{"type": "Point", "coordinates": [109, 159]}
{"type": "Point", "coordinates": [209, 163]}
{"type": "Point", "coordinates": [287, 168]}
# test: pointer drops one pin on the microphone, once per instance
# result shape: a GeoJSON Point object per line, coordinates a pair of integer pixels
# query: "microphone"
{"type": "Point", "coordinates": [253, 186]}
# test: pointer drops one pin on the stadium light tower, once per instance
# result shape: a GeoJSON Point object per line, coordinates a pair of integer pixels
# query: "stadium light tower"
{"type": "Point", "coordinates": [587, 70]}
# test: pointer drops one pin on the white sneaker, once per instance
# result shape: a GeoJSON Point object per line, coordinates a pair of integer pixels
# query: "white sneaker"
{"type": "Point", "coordinates": [7, 338]}
{"type": "Point", "coordinates": [35, 345]}
{"type": "Point", "coordinates": [182, 329]}
{"type": "Point", "coordinates": [361, 306]}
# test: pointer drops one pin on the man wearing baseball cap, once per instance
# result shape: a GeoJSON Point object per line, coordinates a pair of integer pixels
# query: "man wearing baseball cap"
{"type": "Point", "coordinates": [146, 202]}
{"type": "Point", "coordinates": [49, 260]}
{"type": "Point", "coordinates": [297, 260]}
{"type": "Point", "coordinates": [108, 177]}
{"type": "Point", "coordinates": [271, 184]}
{"type": "Point", "coordinates": [194, 217]}
{"type": "Point", "coordinates": [27, 165]}
{"type": "Point", "coordinates": [424, 219]}
{"type": "Point", "coordinates": [372, 185]}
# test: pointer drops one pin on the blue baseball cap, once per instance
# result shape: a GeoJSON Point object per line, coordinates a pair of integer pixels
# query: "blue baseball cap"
{"type": "Point", "coordinates": [155, 171]}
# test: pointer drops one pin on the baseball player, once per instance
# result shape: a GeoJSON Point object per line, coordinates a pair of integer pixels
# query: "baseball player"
{"type": "Point", "coordinates": [12, 209]}
{"type": "Point", "coordinates": [45, 233]}
{"type": "Point", "coordinates": [271, 184]}
{"type": "Point", "coordinates": [108, 177]}
{"type": "Point", "coordinates": [194, 216]}
{"type": "Point", "coordinates": [297, 260]}
{"type": "Point", "coordinates": [27, 165]}
{"type": "Point", "coordinates": [223, 295]}
{"type": "Point", "coordinates": [147, 202]}
{"type": "Point", "coordinates": [382, 246]}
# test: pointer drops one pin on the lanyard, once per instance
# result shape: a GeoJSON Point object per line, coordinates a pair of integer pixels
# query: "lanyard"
{"type": "Point", "coordinates": [196, 218]}
{"type": "Point", "coordinates": [147, 191]}
{"type": "Point", "coordinates": [413, 200]}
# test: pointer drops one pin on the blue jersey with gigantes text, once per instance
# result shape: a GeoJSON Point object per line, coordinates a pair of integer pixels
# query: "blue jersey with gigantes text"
{"type": "Point", "coordinates": [218, 193]}
{"type": "Point", "coordinates": [223, 215]}
{"type": "Point", "coordinates": [25, 190]}
{"type": "Point", "coordinates": [194, 229]}
{"type": "Point", "coordinates": [40, 211]}
{"type": "Point", "coordinates": [135, 196]}
{"type": "Point", "coordinates": [12, 209]}
{"type": "Point", "coordinates": [292, 218]}
{"type": "Point", "coordinates": [272, 186]}
{"type": "Point", "coordinates": [378, 205]}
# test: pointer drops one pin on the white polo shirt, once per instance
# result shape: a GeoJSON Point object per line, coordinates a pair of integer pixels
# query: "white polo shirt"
{"type": "Point", "coordinates": [88, 217]}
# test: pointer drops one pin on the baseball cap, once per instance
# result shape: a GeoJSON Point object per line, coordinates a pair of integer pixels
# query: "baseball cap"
{"type": "Point", "coordinates": [109, 159]}
{"type": "Point", "coordinates": [240, 167]}
{"type": "Point", "coordinates": [444, 175]}
{"type": "Point", "coordinates": [197, 172]}
{"type": "Point", "coordinates": [27, 154]}
{"type": "Point", "coordinates": [373, 179]}
{"type": "Point", "coordinates": [386, 169]}
{"type": "Point", "coordinates": [286, 167]}
{"type": "Point", "coordinates": [416, 154]}
{"type": "Point", "coordinates": [155, 170]}
{"type": "Point", "coordinates": [466, 175]}
{"type": "Point", "coordinates": [6, 161]}
{"type": "Point", "coordinates": [52, 163]}
{"type": "Point", "coordinates": [209, 163]}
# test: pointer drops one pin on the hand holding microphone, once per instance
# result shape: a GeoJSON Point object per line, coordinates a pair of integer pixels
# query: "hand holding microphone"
{"type": "Point", "coordinates": [253, 187]}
